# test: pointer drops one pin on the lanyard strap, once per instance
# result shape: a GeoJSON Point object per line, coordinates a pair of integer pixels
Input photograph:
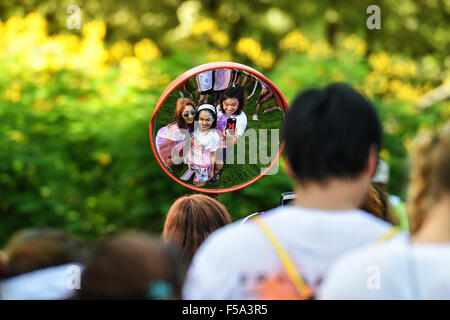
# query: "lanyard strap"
{"type": "Point", "coordinates": [288, 265]}
{"type": "Point", "coordinates": [390, 234]}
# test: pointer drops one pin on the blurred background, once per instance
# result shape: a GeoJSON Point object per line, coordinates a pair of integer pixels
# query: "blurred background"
{"type": "Point", "coordinates": [75, 104]}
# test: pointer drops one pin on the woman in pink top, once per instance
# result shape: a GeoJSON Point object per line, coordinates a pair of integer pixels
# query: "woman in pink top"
{"type": "Point", "coordinates": [171, 138]}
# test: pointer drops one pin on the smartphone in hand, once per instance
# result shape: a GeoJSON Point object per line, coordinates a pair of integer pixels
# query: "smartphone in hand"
{"type": "Point", "coordinates": [231, 126]}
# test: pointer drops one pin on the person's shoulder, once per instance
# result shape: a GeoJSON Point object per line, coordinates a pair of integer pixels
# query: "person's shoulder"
{"type": "Point", "coordinates": [379, 252]}
{"type": "Point", "coordinates": [242, 115]}
{"type": "Point", "coordinates": [232, 233]}
{"type": "Point", "coordinates": [173, 126]}
{"type": "Point", "coordinates": [355, 274]}
{"type": "Point", "coordinates": [238, 233]}
{"type": "Point", "coordinates": [166, 127]}
{"type": "Point", "coordinates": [274, 215]}
{"type": "Point", "coordinates": [368, 220]}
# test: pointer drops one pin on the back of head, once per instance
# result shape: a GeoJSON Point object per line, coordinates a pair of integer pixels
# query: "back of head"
{"type": "Point", "coordinates": [32, 249]}
{"type": "Point", "coordinates": [329, 133]}
{"type": "Point", "coordinates": [191, 219]}
{"type": "Point", "coordinates": [429, 174]}
{"type": "Point", "coordinates": [133, 265]}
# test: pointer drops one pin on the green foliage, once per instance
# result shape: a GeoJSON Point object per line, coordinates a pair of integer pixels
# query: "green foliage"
{"type": "Point", "coordinates": [75, 151]}
{"type": "Point", "coordinates": [75, 159]}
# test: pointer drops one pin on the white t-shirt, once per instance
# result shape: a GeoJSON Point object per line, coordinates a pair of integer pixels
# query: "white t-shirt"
{"type": "Point", "coordinates": [203, 143]}
{"type": "Point", "coordinates": [241, 121]}
{"type": "Point", "coordinates": [208, 140]}
{"type": "Point", "coordinates": [395, 269]}
{"type": "Point", "coordinates": [239, 262]}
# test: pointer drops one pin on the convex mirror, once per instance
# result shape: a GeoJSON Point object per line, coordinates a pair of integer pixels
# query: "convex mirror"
{"type": "Point", "coordinates": [216, 128]}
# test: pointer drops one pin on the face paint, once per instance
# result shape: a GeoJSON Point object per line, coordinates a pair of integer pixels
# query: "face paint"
{"type": "Point", "coordinates": [205, 119]}
{"type": "Point", "coordinates": [230, 106]}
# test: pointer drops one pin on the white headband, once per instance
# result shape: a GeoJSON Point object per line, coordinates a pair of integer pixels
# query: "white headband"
{"type": "Point", "coordinates": [207, 106]}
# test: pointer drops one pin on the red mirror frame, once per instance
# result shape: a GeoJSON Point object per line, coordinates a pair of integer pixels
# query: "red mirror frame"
{"type": "Point", "coordinates": [187, 75]}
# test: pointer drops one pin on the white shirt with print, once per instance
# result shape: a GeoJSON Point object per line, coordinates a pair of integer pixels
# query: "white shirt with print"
{"type": "Point", "coordinates": [239, 262]}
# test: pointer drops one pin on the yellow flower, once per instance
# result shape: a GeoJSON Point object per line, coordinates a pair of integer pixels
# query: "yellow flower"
{"type": "Point", "coordinates": [295, 40]}
{"type": "Point", "coordinates": [35, 22]}
{"type": "Point", "coordinates": [355, 45]}
{"type": "Point", "coordinates": [42, 79]}
{"type": "Point", "coordinates": [411, 68]}
{"type": "Point", "coordinates": [404, 91]}
{"type": "Point", "coordinates": [380, 61]}
{"type": "Point", "coordinates": [13, 93]}
{"type": "Point", "coordinates": [249, 47]}
{"type": "Point", "coordinates": [205, 26]}
{"type": "Point", "coordinates": [146, 49]}
{"type": "Point", "coordinates": [13, 27]}
{"type": "Point", "coordinates": [94, 29]}
{"type": "Point", "coordinates": [104, 159]}
{"type": "Point", "coordinates": [218, 55]}
{"type": "Point", "coordinates": [219, 38]}
{"type": "Point", "coordinates": [319, 49]}
{"type": "Point", "coordinates": [265, 60]}
{"type": "Point", "coordinates": [92, 56]}
{"type": "Point", "coordinates": [131, 66]}
{"type": "Point", "coordinates": [120, 49]}
{"type": "Point", "coordinates": [403, 69]}
{"type": "Point", "coordinates": [69, 44]}
{"type": "Point", "coordinates": [385, 155]}
{"type": "Point", "coordinates": [144, 84]}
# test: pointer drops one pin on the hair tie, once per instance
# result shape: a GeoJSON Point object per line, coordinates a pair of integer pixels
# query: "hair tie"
{"type": "Point", "coordinates": [159, 290]}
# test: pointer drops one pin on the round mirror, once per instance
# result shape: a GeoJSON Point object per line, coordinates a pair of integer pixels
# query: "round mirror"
{"type": "Point", "coordinates": [216, 128]}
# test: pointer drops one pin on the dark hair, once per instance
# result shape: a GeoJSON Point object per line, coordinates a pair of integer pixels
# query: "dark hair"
{"type": "Point", "coordinates": [37, 248]}
{"type": "Point", "coordinates": [214, 115]}
{"type": "Point", "coordinates": [235, 92]}
{"type": "Point", "coordinates": [133, 265]}
{"type": "Point", "coordinates": [329, 132]}
{"type": "Point", "coordinates": [191, 219]}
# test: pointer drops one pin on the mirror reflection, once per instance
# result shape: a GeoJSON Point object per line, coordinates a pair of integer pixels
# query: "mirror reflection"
{"type": "Point", "coordinates": [219, 128]}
